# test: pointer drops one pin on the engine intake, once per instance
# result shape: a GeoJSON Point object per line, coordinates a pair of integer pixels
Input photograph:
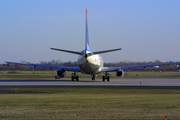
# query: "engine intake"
{"type": "Point", "coordinates": [61, 73]}
{"type": "Point", "coordinates": [120, 73]}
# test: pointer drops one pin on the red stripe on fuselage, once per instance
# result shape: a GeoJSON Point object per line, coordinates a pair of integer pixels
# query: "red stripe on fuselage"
{"type": "Point", "coordinates": [86, 16]}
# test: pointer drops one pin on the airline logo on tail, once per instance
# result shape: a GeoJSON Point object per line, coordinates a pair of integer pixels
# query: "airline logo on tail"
{"type": "Point", "coordinates": [87, 35]}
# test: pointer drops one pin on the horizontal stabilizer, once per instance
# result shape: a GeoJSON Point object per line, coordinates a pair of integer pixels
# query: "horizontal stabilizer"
{"type": "Point", "coordinates": [69, 51]}
{"type": "Point", "coordinates": [105, 51]}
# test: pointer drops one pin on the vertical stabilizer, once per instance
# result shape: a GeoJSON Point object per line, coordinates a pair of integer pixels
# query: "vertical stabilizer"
{"type": "Point", "coordinates": [87, 35]}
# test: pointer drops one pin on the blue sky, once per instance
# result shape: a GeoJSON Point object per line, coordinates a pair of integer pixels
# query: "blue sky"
{"type": "Point", "coordinates": [146, 30]}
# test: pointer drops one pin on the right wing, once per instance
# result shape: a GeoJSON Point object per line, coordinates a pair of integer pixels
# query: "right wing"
{"type": "Point", "coordinates": [110, 69]}
{"type": "Point", "coordinates": [48, 66]}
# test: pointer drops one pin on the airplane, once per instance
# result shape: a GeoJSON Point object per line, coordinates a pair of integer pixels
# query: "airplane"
{"type": "Point", "coordinates": [89, 62]}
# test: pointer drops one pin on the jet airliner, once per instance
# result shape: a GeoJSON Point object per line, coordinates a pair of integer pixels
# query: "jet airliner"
{"type": "Point", "coordinates": [89, 62]}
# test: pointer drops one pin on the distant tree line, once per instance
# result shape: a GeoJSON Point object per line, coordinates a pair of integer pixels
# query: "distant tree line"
{"type": "Point", "coordinates": [13, 67]}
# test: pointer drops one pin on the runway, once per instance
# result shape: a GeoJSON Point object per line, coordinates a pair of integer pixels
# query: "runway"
{"type": "Point", "coordinates": [160, 83]}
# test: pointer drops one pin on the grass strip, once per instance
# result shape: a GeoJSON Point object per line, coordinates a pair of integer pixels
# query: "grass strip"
{"type": "Point", "coordinates": [95, 103]}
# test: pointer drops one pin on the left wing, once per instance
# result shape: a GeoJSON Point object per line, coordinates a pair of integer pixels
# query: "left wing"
{"type": "Point", "coordinates": [109, 69]}
{"type": "Point", "coordinates": [48, 66]}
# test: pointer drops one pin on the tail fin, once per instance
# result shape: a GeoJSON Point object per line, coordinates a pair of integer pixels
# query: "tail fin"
{"type": "Point", "coordinates": [87, 35]}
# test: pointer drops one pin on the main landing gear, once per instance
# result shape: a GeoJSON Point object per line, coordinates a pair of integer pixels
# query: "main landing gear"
{"type": "Point", "coordinates": [74, 76]}
{"type": "Point", "coordinates": [106, 76]}
{"type": "Point", "coordinates": [93, 77]}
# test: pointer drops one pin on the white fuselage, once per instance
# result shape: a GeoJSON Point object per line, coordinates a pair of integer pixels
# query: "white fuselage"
{"type": "Point", "coordinates": [89, 63]}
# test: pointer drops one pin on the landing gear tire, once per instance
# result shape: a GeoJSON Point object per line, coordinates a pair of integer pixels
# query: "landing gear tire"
{"type": "Point", "coordinates": [72, 78]}
{"type": "Point", "coordinates": [93, 78]}
{"type": "Point", "coordinates": [103, 78]}
{"type": "Point", "coordinates": [108, 78]}
{"type": "Point", "coordinates": [77, 78]}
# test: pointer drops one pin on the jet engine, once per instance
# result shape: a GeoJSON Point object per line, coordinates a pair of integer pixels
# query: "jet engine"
{"type": "Point", "coordinates": [120, 73]}
{"type": "Point", "coordinates": [61, 73]}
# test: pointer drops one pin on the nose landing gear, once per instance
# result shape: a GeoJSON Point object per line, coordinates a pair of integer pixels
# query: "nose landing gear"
{"type": "Point", "coordinates": [93, 77]}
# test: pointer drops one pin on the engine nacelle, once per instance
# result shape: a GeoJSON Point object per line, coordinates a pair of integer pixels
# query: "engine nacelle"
{"type": "Point", "coordinates": [61, 73]}
{"type": "Point", "coordinates": [120, 73]}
